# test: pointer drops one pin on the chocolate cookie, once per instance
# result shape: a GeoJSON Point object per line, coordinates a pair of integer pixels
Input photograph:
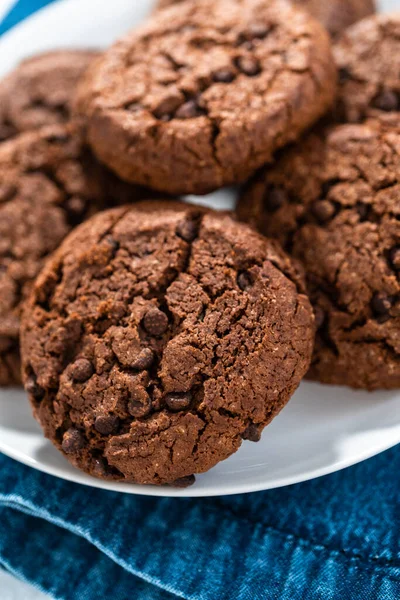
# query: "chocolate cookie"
{"type": "Point", "coordinates": [335, 15]}
{"type": "Point", "coordinates": [48, 184]}
{"type": "Point", "coordinates": [39, 91]}
{"type": "Point", "coordinates": [158, 337]}
{"type": "Point", "coordinates": [367, 57]}
{"type": "Point", "coordinates": [333, 202]}
{"type": "Point", "coordinates": [204, 93]}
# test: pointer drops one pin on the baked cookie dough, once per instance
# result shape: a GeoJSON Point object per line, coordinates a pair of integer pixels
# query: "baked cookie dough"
{"type": "Point", "coordinates": [205, 92]}
{"type": "Point", "coordinates": [158, 337]}
{"type": "Point", "coordinates": [367, 58]}
{"type": "Point", "coordinates": [39, 91]}
{"type": "Point", "coordinates": [48, 184]}
{"type": "Point", "coordinates": [333, 202]}
{"type": "Point", "coordinates": [335, 15]}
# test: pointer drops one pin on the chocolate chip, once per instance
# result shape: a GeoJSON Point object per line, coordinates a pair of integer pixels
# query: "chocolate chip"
{"type": "Point", "coordinates": [76, 206]}
{"type": "Point", "coordinates": [395, 258]}
{"type": "Point", "coordinates": [155, 322]}
{"type": "Point", "coordinates": [73, 441]}
{"type": "Point", "coordinates": [178, 401]}
{"type": "Point", "coordinates": [187, 230]}
{"type": "Point", "coordinates": [184, 482]}
{"type": "Point", "coordinates": [319, 317]}
{"type": "Point", "coordinates": [386, 100]}
{"type": "Point", "coordinates": [381, 303]}
{"type": "Point", "coordinates": [252, 433]}
{"type": "Point", "coordinates": [248, 65]}
{"type": "Point", "coordinates": [362, 210]}
{"type": "Point", "coordinates": [144, 360]}
{"type": "Point", "coordinates": [133, 107]}
{"type": "Point", "coordinates": [244, 280]}
{"type": "Point", "coordinates": [189, 110]}
{"type": "Point", "coordinates": [275, 198]}
{"type": "Point", "coordinates": [106, 424]}
{"type": "Point", "coordinates": [167, 107]}
{"type": "Point", "coordinates": [34, 389]}
{"type": "Point", "coordinates": [81, 370]}
{"type": "Point", "coordinates": [344, 74]}
{"type": "Point", "coordinates": [257, 30]}
{"type": "Point", "coordinates": [139, 404]}
{"type": "Point", "coordinates": [323, 210]}
{"type": "Point", "coordinates": [223, 75]}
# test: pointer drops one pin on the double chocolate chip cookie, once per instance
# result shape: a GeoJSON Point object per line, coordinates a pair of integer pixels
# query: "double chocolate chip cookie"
{"type": "Point", "coordinates": [158, 337]}
{"type": "Point", "coordinates": [333, 202]}
{"type": "Point", "coordinates": [367, 58]}
{"type": "Point", "coordinates": [48, 184]}
{"type": "Point", "coordinates": [335, 15]}
{"type": "Point", "coordinates": [206, 92]}
{"type": "Point", "coordinates": [39, 91]}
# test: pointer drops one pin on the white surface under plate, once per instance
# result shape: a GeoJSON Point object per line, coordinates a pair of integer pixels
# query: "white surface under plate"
{"type": "Point", "coordinates": [322, 430]}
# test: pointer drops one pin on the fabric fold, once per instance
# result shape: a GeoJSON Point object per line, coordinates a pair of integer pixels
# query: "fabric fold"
{"type": "Point", "coordinates": [67, 538]}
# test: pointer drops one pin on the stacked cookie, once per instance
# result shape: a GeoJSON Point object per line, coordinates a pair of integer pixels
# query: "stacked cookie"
{"type": "Point", "coordinates": [159, 335]}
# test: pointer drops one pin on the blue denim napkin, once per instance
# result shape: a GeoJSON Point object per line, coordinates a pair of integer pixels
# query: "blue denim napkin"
{"type": "Point", "coordinates": [335, 538]}
{"type": "Point", "coordinates": [332, 538]}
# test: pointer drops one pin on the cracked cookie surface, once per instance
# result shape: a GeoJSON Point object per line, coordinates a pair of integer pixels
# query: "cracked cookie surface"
{"type": "Point", "coordinates": [49, 183]}
{"type": "Point", "coordinates": [204, 93]}
{"type": "Point", "coordinates": [367, 58]}
{"type": "Point", "coordinates": [40, 90]}
{"type": "Point", "coordinates": [333, 202]}
{"type": "Point", "coordinates": [335, 15]}
{"type": "Point", "coordinates": [158, 337]}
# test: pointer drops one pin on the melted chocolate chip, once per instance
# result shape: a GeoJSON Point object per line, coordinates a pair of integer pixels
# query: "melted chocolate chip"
{"type": "Point", "coordinates": [323, 210]}
{"type": "Point", "coordinates": [144, 360]}
{"type": "Point", "coordinates": [387, 101]}
{"type": "Point", "coordinates": [81, 370]}
{"type": "Point", "coordinates": [244, 280]}
{"type": "Point", "coordinates": [252, 433]}
{"type": "Point", "coordinates": [187, 230]}
{"type": "Point", "coordinates": [155, 322]}
{"type": "Point", "coordinates": [34, 389]}
{"type": "Point", "coordinates": [344, 75]}
{"type": "Point", "coordinates": [223, 75]}
{"type": "Point", "coordinates": [275, 198]}
{"type": "Point", "coordinates": [178, 401]}
{"type": "Point", "coordinates": [248, 65]}
{"type": "Point", "coordinates": [167, 107]}
{"type": "Point", "coordinates": [139, 404]}
{"type": "Point", "coordinates": [381, 303]}
{"type": "Point", "coordinates": [189, 110]}
{"type": "Point", "coordinates": [184, 482]}
{"type": "Point", "coordinates": [73, 441]}
{"type": "Point", "coordinates": [106, 424]}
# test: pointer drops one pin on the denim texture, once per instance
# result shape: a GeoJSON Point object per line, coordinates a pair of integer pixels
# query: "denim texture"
{"type": "Point", "coordinates": [334, 538]}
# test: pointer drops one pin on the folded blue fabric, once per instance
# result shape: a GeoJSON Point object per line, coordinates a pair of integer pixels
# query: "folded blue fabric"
{"type": "Point", "coordinates": [332, 538]}
{"type": "Point", "coordinates": [335, 538]}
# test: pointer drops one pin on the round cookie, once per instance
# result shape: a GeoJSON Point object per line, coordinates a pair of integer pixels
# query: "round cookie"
{"type": "Point", "coordinates": [205, 92]}
{"type": "Point", "coordinates": [335, 15]}
{"type": "Point", "coordinates": [158, 337]}
{"type": "Point", "coordinates": [333, 202]}
{"type": "Point", "coordinates": [48, 184]}
{"type": "Point", "coordinates": [369, 68]}
{"type": "Point", "coordinates": [39, 91]}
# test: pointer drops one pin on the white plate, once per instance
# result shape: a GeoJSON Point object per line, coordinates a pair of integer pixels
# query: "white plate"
{"type": "Point", "coordinates": [323, 429]}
